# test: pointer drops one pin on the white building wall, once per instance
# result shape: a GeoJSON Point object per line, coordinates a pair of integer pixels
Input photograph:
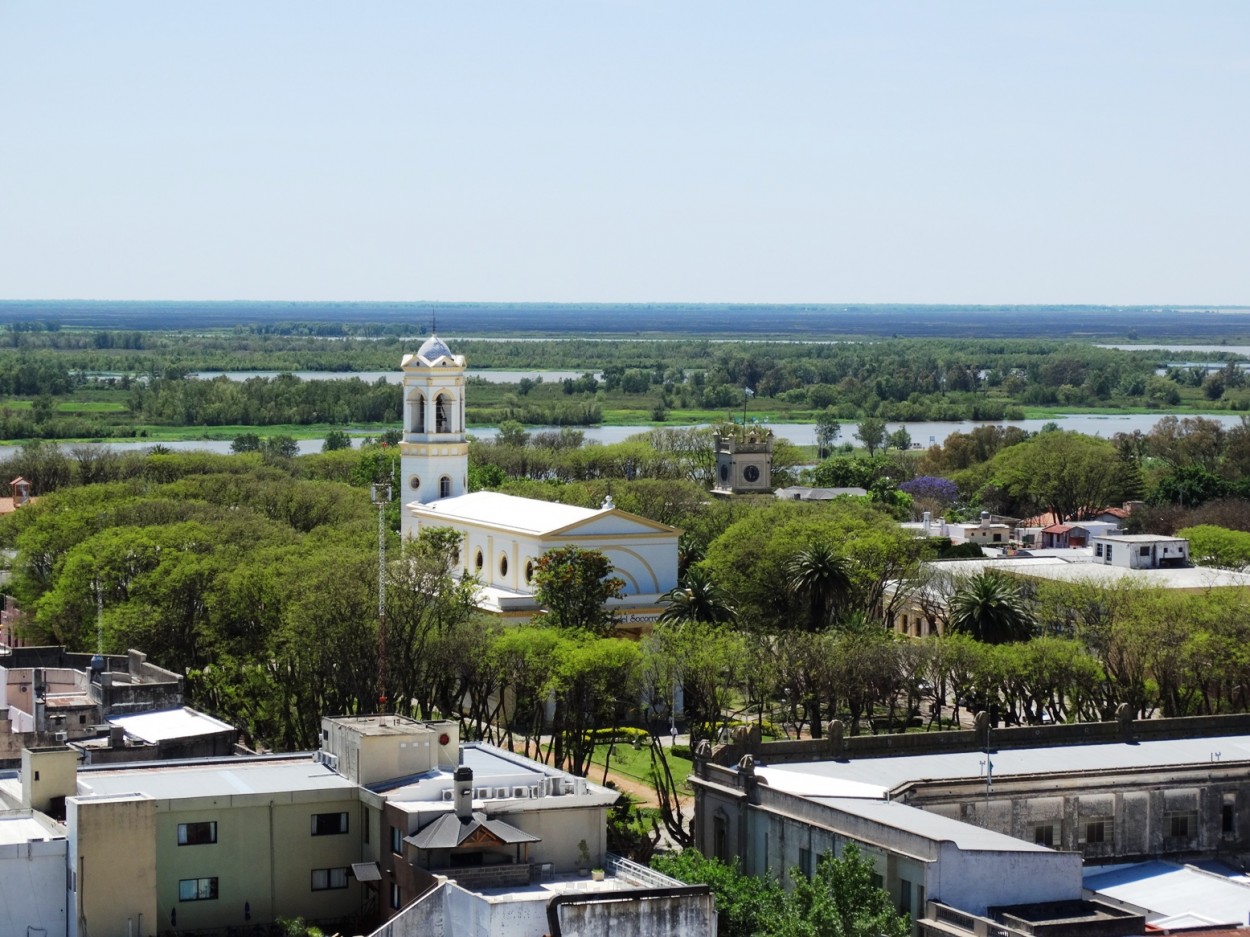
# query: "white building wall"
{"type": "Point", "coordinates": [32, 888]}
{"type": "Point", "coordinates": [648, 565]}
{"type": "Point", "coordinates": [975, 881]}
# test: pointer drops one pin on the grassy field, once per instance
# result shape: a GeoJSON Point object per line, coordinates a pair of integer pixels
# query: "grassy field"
{"type": "Point", "coordinates": [636, 763]}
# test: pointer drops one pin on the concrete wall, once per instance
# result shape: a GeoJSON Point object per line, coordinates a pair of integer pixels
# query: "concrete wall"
{"type": "Point", "coordinates": [49, 775]}
{"type": "Point", "coordinates": [562, 827]}
{"type": "Point", "coordinates": [771, 830]}
{"type": "Point", "coordinates": [976, 881]}
{"type": "Point", "coordinates": [676, 916]}
{"type": "Point", "coordinates": [1135, 809]}
{"type": "Point", "coordinates": [263, 858]}
{"type": "Point", "coordinates": [112, 845]}
{"type": "Point", "coordinates": [32, 887]}
{"type": "Point", "coordinates": [405, 747]}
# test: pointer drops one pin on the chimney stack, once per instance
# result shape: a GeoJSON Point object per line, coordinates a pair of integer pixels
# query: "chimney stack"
{"type": "Point", "coordinates": [463, 787]}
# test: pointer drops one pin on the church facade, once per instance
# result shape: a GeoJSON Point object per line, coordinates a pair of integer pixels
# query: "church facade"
{"type": "Point", "coordinates": [504, 536]}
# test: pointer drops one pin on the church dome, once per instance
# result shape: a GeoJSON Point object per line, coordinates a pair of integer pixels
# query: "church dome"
{"type": "Point", "coordinates": [433, 349]}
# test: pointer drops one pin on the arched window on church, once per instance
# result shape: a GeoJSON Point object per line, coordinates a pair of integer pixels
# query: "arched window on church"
{"type": "Point", "coordinates": [418, 414]}
{"type": "Point", "coordinates": [444, 487]}
{"type": "Point", "coordinates": [442, 414]}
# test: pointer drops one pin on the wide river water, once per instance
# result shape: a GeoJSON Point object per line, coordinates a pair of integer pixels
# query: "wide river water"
{"type": "Point", "coordinates": [802, 434]}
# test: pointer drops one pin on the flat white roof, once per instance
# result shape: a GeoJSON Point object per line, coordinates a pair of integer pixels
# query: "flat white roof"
{"type": "Point", "coordinates": [170, 724]}
{"type": "Point", "coordinates": [932, 826]}
{"type": "Point", "coordinates": [16, 829]}
{"type": "Point", "coordinates": [225, 778]}
{"type": "Point", "coordinates": [1141, 538]}
{"type": "Point", "coordinates": [1082, 570]}
{"type": "Point", "coordinates": [492, 768]}
{"type": "Point", "coordinates": [528, 515]}
{"type": "Point", "coordinates": [888, 773]}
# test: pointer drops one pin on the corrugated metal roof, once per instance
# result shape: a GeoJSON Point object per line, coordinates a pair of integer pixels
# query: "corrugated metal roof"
{"type": "Point", "coordinates": [1174, 893]}
{"type": "Point", "coordinates": [449, 831]}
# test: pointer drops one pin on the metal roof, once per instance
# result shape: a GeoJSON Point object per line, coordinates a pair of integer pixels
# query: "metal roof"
{"type": "Point", "coordinates": [932, 826]}
{"type": "Point", "coordinates": [1080, 569]}
{"type": "Point", "coordinates": [1166, 890]}
{"type": "Point", "coordinates": [888, 772]}
{"type": "Point", "coordinates": [170, 724]}
{"type": "Point", "coordinates": [450, 831]}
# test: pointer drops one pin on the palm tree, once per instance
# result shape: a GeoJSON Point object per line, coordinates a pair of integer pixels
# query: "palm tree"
{"type": "Point", "coordinates": [989, 607]}
{"type": "Point", "coordinates": [823, 578]}
{"type": "Point", "coordinates": [690, 550]}
{"type": "Point", "coordinates": [698, 598]}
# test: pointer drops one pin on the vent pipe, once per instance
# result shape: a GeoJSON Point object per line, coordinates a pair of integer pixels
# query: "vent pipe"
{"type": "Point", "coordinates": [463, 785]}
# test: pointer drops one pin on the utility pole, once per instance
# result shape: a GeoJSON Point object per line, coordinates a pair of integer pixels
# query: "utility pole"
{"type": "Point", "coordinates": [381, 497]}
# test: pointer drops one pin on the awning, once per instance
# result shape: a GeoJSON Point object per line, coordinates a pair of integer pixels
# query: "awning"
{"type": "Point", "coordinates": [366, 872]}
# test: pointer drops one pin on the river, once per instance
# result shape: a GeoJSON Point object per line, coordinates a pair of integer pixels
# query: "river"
{"type": "Point", "coordinates": [802, 434]}
{"type": "Point", "coordinates": [395, 376]}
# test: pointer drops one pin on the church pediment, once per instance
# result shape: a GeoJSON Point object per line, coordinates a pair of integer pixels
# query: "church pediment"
{"type": "Point", "coordinates": [615, 523]}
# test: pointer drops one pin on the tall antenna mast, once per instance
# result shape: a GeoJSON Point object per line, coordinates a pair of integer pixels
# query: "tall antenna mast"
{"type": "Point", "coordinates": [97, 662]}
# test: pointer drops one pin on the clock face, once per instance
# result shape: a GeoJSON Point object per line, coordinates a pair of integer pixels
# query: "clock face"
{"type": "Point", "coordinates": [724, 472]}
{"type": "Point", "coordinates": [751, 473]}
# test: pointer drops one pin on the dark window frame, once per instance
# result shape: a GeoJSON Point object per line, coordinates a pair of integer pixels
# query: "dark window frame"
{"type": "Point", "coordinates": [330, 824]}
{"type": "Point", "coordinates": [205, 889]}
{"type": "Point", "coordinates": [331, 881]}
{"type": "Point", "coordinates": [197, 833]}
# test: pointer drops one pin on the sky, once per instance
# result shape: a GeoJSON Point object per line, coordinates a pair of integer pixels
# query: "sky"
{"type": "Point", "coordinates": [596, 151]}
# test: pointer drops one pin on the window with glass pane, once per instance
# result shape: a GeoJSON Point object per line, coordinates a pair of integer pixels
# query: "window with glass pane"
{"type": "Point", "coordinates": [327, 824]}
{"type": "Point", "coordinates": [324, 879]}
{"type": "Point", "coordinates": [197, 889]}
{"type": "Point", "coordinates": [197, 834]}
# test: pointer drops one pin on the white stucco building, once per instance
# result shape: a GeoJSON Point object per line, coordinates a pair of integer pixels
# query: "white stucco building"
{"type": "Point", "coordinates": [32, 873]}
{"type": "Point", "coordinates": [504, 536]}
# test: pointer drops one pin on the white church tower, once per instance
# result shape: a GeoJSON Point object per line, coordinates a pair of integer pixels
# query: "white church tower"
{"type": "Point", "coordinates": [434, 456]}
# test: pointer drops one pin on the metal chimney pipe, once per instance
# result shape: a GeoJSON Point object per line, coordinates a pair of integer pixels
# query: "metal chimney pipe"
{"type": "Point", "coordinates": [463, 781]}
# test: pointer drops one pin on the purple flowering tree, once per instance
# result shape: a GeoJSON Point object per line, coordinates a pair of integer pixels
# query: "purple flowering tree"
{"type": "Point", "coordinates": [931, 488]}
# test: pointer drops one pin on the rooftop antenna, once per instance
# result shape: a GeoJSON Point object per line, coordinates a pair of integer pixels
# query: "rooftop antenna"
{"type": "Point", "coordinates": [433, 322]}
{"type": "Point", "coordinates": [97, 662]}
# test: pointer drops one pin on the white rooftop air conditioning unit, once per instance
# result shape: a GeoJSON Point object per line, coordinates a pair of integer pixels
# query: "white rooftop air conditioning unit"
{"type": "Point", "coordinates": [520, 792]}
{"type": "Point", "coordinates": [449, 794]}
{"type": "Point", "coordinates": [536, 790]}
{"type": "Point", "coordinates": [61, 736]}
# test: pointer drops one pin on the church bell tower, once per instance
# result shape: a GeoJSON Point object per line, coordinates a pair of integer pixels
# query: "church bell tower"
{"type": "Point", "coordinates": [434, 456]}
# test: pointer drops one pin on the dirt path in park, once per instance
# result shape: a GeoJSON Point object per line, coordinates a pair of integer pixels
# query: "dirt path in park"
{"type": "Point", "coordinates": [639, 790]}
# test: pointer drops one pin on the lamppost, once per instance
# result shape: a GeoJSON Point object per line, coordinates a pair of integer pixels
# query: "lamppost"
{"type": "Point", "coordinates": [380, 495]}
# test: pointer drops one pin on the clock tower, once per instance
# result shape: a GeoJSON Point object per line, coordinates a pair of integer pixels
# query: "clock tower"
{"type": "Point", "coordinates": [744, 461]}
{"type": "Point", "coordinates": [434, 456]}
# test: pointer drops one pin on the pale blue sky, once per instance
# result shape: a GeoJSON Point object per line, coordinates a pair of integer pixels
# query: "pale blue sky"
{"type": "Point", "coordinates": [998, 152]}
